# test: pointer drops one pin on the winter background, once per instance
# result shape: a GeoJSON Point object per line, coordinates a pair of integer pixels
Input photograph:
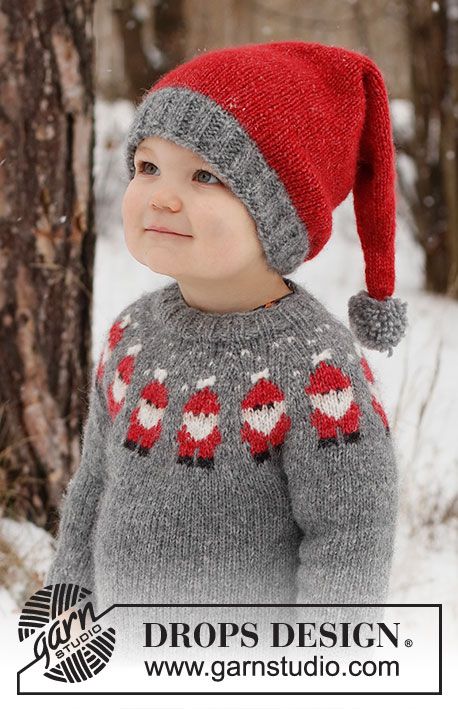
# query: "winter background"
{"type": "Point", "coordinates": [418, 384]}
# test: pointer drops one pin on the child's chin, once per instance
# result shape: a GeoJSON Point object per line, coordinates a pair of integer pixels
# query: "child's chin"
{"type": "Point", "coordinates": [162, 268]}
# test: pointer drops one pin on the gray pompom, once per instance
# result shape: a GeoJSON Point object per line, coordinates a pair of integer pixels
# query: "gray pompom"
{"type": "Point", "coordinates": [377, 324]}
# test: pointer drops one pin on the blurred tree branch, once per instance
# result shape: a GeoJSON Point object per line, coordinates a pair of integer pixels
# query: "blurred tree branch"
{"type": "Point", "coordinates": [153, 41]}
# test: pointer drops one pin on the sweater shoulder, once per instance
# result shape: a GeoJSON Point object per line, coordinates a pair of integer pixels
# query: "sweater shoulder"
{"type": "Point", "coordinates": [125, 335]}
{"type": "Point", "coordinates": [135, 318]}
{"type": "Point", "coordinates": [325, 350]}
{"type": "Point", "coordinates": [323, 331]}
{"type": "Point", "coordinates": [329, 369]}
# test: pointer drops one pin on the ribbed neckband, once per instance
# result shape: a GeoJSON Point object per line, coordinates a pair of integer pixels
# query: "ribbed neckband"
{"type": "Point", "coordinates": [187, 322]}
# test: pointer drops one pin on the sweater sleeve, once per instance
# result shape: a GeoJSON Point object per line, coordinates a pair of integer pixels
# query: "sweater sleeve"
{"type": "Point", "coordinates": [73, 560]}
{"type": "Point", "coordinates": [343, 481]}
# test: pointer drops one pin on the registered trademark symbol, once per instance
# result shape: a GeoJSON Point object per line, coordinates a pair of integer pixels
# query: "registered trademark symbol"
{"type": "Point", "coordinates": [408, 642]}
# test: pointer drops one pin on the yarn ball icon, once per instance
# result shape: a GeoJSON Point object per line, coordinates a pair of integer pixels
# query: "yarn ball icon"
{"type": "Point", "coordinates": [65, 631]}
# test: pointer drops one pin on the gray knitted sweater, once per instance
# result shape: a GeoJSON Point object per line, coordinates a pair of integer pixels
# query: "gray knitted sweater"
{"type": "Point", "coordinates": [242, 457]}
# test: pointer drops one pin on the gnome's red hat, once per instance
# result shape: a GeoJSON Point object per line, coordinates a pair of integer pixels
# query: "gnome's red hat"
{"type": "Point", "coordinates": [292, 127]}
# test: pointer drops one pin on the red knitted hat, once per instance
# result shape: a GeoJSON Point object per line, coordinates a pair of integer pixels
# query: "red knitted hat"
{"type": "Point", "coordinates": [292, 127]}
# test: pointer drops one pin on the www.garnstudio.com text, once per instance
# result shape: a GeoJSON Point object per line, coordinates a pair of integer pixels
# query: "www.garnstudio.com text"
{"type": "Point", "coordinates": [316, 666]}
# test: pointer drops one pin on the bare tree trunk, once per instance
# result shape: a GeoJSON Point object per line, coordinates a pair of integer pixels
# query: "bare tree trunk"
{"type": "Point", "coordinates": [434, 79]}
{"type": "Point", "coordinates": [153, 41]}
{"type": "Point", "coordinates": [46, 248]}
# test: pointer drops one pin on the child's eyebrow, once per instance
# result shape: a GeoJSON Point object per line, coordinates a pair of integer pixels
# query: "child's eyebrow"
{"type": "Point", "coordinates": [143, 148]}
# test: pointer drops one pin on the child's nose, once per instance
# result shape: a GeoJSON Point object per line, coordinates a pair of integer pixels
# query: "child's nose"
{"type": "Point", "coordinates": [166, 199]}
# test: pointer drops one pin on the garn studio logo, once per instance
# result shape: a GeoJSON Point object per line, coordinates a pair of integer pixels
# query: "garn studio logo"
{"type": "Point", "coordinates": [70, 637]}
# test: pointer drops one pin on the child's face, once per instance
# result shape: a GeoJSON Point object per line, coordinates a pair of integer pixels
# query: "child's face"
{"type": "Point", "coordinates": [172, 188]}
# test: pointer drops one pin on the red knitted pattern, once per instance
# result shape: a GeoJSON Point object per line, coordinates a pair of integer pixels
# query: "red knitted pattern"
{"type": "Point", "coordinates": [264, 419]}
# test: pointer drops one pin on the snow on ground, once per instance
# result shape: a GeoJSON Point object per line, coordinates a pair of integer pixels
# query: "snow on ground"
{"type": "Point", "coordinates": [418, 384]}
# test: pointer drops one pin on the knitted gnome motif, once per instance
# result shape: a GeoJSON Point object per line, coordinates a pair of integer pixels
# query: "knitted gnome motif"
{"type": "Point", "coordinates": [114, 338]}
{"type": "Point", "coordinates": [200, 431]}
{"type": "Point", "coordinates": [291, 128]}
{"type": "Point", "coordinates": [146, 418]}
{"type": "Point", "coordinates": [332, 398]}
{"type": "Point", "coordinates": [264, 417]}
{"type": "Point", "coordinates": [116, 394]}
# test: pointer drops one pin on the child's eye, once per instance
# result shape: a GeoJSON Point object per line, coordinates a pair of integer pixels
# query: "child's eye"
{"type": "Point", "coordinates": [142, 167]}
{"type": "Point", "coordinates": [205, 172]}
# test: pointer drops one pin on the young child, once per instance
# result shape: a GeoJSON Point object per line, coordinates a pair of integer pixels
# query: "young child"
{"type": "Point", "coordinates": [236, 448]}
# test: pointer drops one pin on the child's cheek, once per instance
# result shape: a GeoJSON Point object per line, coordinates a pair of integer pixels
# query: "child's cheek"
{"type": "Point", "coordinates": [131, 205]}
